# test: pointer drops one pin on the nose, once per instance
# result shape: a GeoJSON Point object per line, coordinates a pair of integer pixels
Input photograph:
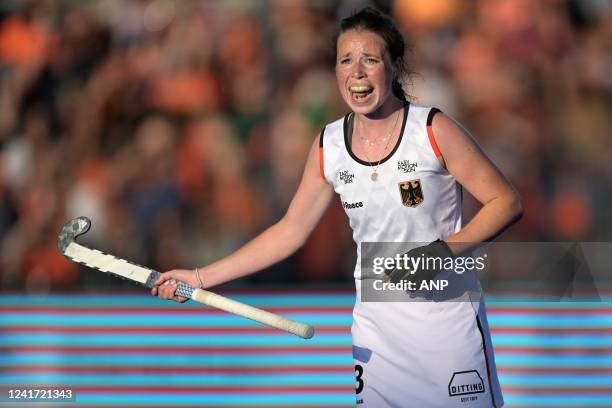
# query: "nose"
{"type": "Point", "coordinates": [358, 71]}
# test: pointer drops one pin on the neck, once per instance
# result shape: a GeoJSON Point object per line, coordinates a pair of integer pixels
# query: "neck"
{"type": "Point", "coordinates": [379, 119]}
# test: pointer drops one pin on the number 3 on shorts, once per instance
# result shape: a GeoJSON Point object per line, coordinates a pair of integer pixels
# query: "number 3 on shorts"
{"type": "Point", "coordinates": [358, 374]}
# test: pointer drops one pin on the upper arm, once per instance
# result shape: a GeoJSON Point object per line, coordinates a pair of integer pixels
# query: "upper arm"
{"type": "Point", "coordinates": [468, 163]}
{"type": "Point", "coordinates": [311, 198]}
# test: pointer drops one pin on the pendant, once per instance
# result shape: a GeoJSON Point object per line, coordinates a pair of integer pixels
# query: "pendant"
{"type": "Point", "coordinates": [374, 176]}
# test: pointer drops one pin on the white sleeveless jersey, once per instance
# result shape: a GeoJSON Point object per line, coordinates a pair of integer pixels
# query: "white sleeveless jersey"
{"type": "Point", "coordinates": [421, 354]}
{"type": "Point", "coordinates": [375, 209]}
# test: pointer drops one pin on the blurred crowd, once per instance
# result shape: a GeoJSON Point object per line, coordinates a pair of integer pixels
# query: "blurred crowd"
{"type": "Point", "coordinates": [181, 128]}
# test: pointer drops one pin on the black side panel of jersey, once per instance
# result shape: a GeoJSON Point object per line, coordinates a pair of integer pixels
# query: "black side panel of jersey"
{"type": "Point", "coordinates": [486, 356]}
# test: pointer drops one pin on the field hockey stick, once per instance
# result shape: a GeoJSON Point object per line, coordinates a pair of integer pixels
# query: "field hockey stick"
{"type": "Point", "coordinates": [106, 263]}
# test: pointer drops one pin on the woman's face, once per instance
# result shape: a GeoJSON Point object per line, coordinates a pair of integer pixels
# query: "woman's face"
{"type": "Point", "coordinates": [364, 70]}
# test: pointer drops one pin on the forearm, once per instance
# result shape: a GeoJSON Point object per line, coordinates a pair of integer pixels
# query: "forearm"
{"type": "Point", "coordinates": [271, 246]}
{"type": "Point", "coordinates": [493, 218]}
{"type": "Point", "coordinates": [283, 238]}
{"type": "Point", "coordinates": [467, 162]}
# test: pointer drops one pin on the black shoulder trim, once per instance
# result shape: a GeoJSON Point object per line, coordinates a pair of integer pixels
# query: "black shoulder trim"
{"type": "Point", "coordinates": [431, 115]}
{"type": "Point", "coordinates": [321, 137]}
{"type": "Point", "coordinates": [347, 127]}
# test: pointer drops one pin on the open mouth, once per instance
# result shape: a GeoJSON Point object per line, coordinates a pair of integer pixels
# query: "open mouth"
{"type": "Point", "coordinates": [361, 91]}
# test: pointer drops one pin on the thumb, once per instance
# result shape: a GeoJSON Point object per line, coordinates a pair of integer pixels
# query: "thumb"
{"type": "Point", "coordinates": [164, 277]}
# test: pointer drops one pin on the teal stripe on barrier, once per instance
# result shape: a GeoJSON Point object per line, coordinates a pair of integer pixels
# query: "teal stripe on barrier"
{"type": "Point", "coordinates": [577, 400]}
{"type": "Point", "coordinates": [154, 320]}
{"type": "Point", "coordinates": [339, 299]}
{"type": "Point", "coordinates": [219, 399]}
{"type": "Point", "coordinates": [270, 359]}
{"type": "Point", "coordinates": [323, 319]}
{"type": "Point", "coordinates": [326, 399]}
{"type": "Point", "coordinates": [169, 340]}
{"type": "Point", "coordinates": [222, 320]}
{"type": "Point", "coordinates": [209, 359]}
{"type": "Point", "coordinates": [551, 320]}
{"type": "Point", "coordinates": [525, 303]}
{"type": "Point", "coordinates": [562, 381]}
{"type": "Point", "coordinates": [184, 380]}
{"type": "Point", "coordinates": [552, 340]}
{"type": "Point", "coordinates": [270, 380]}
{"type": "Point", "coordinates": [554, 361]}
{"type": "Point", "coordinates": [344, 399]}
{"type": "Point", "coordinates": [8, 339]}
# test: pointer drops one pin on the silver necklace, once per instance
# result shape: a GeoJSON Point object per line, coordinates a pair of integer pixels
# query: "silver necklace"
{"type": "Point", "coordinates": [387, 138]}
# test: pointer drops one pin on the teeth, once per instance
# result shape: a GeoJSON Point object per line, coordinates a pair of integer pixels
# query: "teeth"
{"type": "Point", "coordinates": [362, 88]}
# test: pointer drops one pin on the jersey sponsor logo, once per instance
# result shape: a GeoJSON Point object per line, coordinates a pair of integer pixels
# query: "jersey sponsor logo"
{"type": "Point", "coordinates": [350, 206]}
{"type": "Point", "coordinates": [407, 166]}
{"type": "Point", "coordinates": [346, 176]}
{"type": "Point", "coordinates": [411, 192]}
{"type": "Point", "coordinates": [465, 383]}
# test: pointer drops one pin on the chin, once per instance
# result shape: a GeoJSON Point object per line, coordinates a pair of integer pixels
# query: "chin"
{"type": "Point", "coordinates": [362, 108]}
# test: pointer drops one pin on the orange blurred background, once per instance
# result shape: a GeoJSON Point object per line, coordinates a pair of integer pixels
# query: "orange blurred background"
{"type": "Point", "coordinates": [181, 127]}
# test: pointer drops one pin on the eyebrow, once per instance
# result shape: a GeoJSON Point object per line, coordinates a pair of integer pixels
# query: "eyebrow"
{"type": "Point", "coordinates": [364, 54]}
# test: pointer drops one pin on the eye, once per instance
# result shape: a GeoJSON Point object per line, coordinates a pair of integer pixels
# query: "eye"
{"type": "Point", "coordinates": [345, 61]}
{"type": "Point", "coordinates": [371, 60]}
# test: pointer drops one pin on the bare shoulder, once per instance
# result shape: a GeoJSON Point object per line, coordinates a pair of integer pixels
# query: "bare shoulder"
{"type": "Point", "coordinates": [468, 162]}
{"type": "Point", "coordinates": [451, 135]}
{"type": "Point", "coordinates": [313, 172]}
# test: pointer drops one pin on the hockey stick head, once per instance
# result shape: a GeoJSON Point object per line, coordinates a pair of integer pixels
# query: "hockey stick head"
{"type": "Point", "coordinates": [71, 230]}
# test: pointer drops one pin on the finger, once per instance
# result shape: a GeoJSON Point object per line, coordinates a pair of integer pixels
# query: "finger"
{"type": "Point", "coordinates": [168, 289]}
{"type": "Point", "coordinates": [154, 291]}
{"type": "Point", "coordinates": [166, 292]}
{"type": "Point", "coordinates": [164, 277]}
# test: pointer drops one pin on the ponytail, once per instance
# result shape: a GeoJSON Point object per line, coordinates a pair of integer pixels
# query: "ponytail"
{"type": "Point", "coordinates": [398, 90]}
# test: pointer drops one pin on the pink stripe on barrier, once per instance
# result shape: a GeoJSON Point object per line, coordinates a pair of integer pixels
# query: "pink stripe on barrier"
{"type": "Point", "coordinates": [548, 311]}
{"type": "Point", "coordinates": [551, 330]}
{"type": "Point", "coordinates": [208, 390]}
{"type": "Point", "coordinates": [180, 370]}
{"type": "Point", "coordinates": [164, 310]}
{"type": "Point", "coordinates": [566, 350]}
{"type": "Point", "coordinates": [154, 330]}
{"type": "Point", "coordinates": [556, 390]}
{"type": "Point", "coordinates": [554, 370]}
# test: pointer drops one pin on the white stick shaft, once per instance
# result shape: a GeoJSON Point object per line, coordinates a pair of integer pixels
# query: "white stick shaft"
{"type": "Point", "coordinates": [217, 301]}
{"type": "Point", "coordinates": [147, 277]}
